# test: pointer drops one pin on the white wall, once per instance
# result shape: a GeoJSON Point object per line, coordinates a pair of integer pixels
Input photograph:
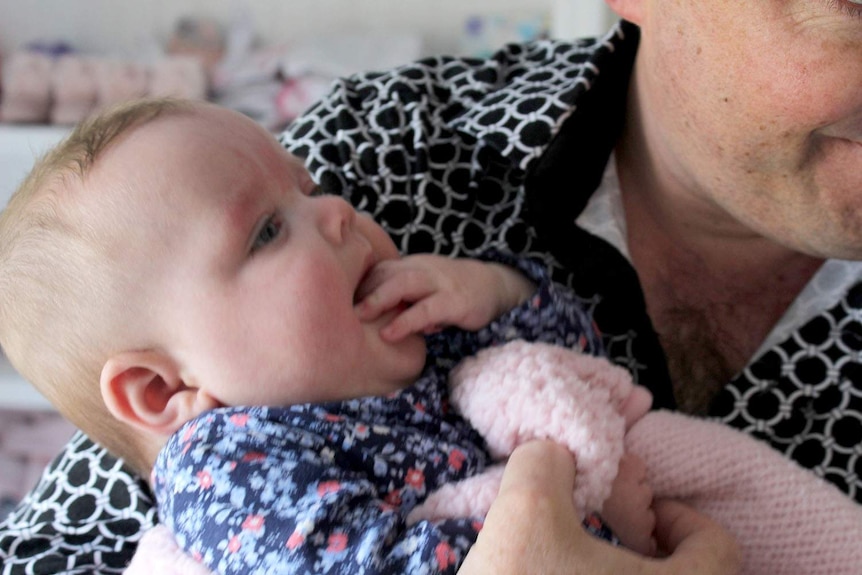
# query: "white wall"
{"type": "Point", "coordinates": [125, 26]}
{"type": "Point", "coordinates": [579, 18]}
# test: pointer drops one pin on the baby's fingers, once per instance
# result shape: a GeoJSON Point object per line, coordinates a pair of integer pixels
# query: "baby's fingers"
{"type": "Point", "coordinates": [387, 290]}
{"type": "Point", "coordinates": [425, 316]}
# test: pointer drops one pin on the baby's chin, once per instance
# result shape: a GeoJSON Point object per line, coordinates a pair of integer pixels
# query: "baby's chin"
{"type": "Point", "coordinates": [404, 358]}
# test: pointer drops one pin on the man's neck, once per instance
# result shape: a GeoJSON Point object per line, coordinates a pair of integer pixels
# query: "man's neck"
{"type": "Point", "coordinates": [714, 289]}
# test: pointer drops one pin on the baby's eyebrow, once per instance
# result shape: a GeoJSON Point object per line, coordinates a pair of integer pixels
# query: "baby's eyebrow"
{"type": "Point", "coordinates": [236, 217]}
{"type": "Point", "coordinates": [237, 209]}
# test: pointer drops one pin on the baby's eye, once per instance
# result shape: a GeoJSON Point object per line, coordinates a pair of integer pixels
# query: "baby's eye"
{"type": "Point", "coordinates": [267, 233]}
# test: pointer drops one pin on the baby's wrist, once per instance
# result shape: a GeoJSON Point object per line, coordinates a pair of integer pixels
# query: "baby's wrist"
{"type": "Point", "coordinates": [514, 287]}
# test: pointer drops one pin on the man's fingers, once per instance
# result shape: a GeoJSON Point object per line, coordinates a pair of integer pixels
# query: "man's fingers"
{"type": "Point", "coordinates": [527, 529]}
{"type": "Point", "coordinates": [541, 465]}
{"type": "Point", "coordinates": [698, 544]}
{"type": "Point", "coordinates": [532, 527]}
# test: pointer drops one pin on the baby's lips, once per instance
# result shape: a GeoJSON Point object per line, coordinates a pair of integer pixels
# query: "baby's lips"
{"type": "Point", "coordinates": [653, 547]}
{"type": "Point", "coordinates": [363, 288]}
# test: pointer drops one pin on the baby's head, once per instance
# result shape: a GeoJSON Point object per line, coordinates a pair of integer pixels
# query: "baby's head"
{"type": "Point", "coordinates": [170, 257]}
{"type": "Point", "coordinates": [61, 287]}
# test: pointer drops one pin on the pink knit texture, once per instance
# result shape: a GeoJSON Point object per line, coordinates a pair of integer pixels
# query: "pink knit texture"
{"type": "Point", "coordinates": [522, 391]}
{"type": "Point", "coordinates": [787, 520]}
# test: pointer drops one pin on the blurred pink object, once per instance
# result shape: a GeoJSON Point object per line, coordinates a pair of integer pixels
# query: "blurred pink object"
{"type": "Point", "coordinates": [73, 89]}
{"type": "Point", "coordinates": [118, 81]}
{"type": "Point", "coordinates": [178, 77]}
{"type": "Point", "coordinates": [28, 442]}
{"type": "Point", "coordinates": [26, 88]}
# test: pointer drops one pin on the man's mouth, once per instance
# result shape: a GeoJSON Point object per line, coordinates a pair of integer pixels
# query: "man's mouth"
{"type": "Point", "coordinates": [849, 131]}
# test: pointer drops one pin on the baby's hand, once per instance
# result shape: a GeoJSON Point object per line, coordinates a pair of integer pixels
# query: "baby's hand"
{"type": "Point", "coordinates": [629, 508]}
{"type": "Point", "coordinates": [439, 291]}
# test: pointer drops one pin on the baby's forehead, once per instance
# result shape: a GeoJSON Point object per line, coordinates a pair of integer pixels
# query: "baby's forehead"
{"type": "Point", "coordinates": [207, 156]}
{"type": "Point", "coordinates": [205, 135]}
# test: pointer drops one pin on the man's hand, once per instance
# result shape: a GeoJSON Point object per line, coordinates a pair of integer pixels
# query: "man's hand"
{"type": "Point", "coordinates": [532, 527]}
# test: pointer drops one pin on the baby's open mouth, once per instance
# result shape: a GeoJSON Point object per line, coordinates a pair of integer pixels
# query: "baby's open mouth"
{"type": "Point", "coordinates": [362, 289]}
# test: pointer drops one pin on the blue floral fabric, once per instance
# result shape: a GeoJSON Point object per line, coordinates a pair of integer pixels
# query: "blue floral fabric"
{"type": "Point", "coordinates": [317, 488]}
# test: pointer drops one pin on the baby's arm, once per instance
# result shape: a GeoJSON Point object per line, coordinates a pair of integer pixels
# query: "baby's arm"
{"type": "Point", "coordinates": [440, 291]}
{"type": "Point", "coordinates": [252, 491]}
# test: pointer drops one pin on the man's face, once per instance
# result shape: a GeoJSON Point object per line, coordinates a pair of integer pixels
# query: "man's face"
{"type": "Point", "coordinates": [756, 107]}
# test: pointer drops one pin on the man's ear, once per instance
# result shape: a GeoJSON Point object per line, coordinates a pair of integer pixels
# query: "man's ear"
{"type": "Point", "coordinates": [145, 390]}
{"type": "Point", "coordinates": [631, 10]}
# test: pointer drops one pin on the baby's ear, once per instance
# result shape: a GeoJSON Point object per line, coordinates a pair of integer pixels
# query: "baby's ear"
{"type": "Point", "coordinates": [145, 389]}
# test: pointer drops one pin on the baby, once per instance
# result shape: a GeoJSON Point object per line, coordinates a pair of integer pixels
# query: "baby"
{"type": "Point", "coordinates": [172, 281]}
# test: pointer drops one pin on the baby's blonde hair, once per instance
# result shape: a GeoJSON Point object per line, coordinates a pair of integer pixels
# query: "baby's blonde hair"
{"type": "Point", "coordinates": [60, 290]}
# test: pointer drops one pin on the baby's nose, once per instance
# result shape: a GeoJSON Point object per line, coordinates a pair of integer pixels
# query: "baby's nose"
{"type": "Point", "coordinates": [337, 217]}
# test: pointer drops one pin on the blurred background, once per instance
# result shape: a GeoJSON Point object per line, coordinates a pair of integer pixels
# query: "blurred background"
{"type": "Point", "coordinates": [105, 25]}
{"type": "Point", "coordinates": [61, 60]}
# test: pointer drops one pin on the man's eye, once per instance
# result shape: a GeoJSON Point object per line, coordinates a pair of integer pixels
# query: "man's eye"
{"type": "Point", "coordinates": [267, 233]}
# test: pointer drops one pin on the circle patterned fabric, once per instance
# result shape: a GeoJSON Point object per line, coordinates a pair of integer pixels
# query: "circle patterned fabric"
{"type": "Point", "coordinates": [85, 516]}
{"type": "Point", "coordinates": [804, 395]}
